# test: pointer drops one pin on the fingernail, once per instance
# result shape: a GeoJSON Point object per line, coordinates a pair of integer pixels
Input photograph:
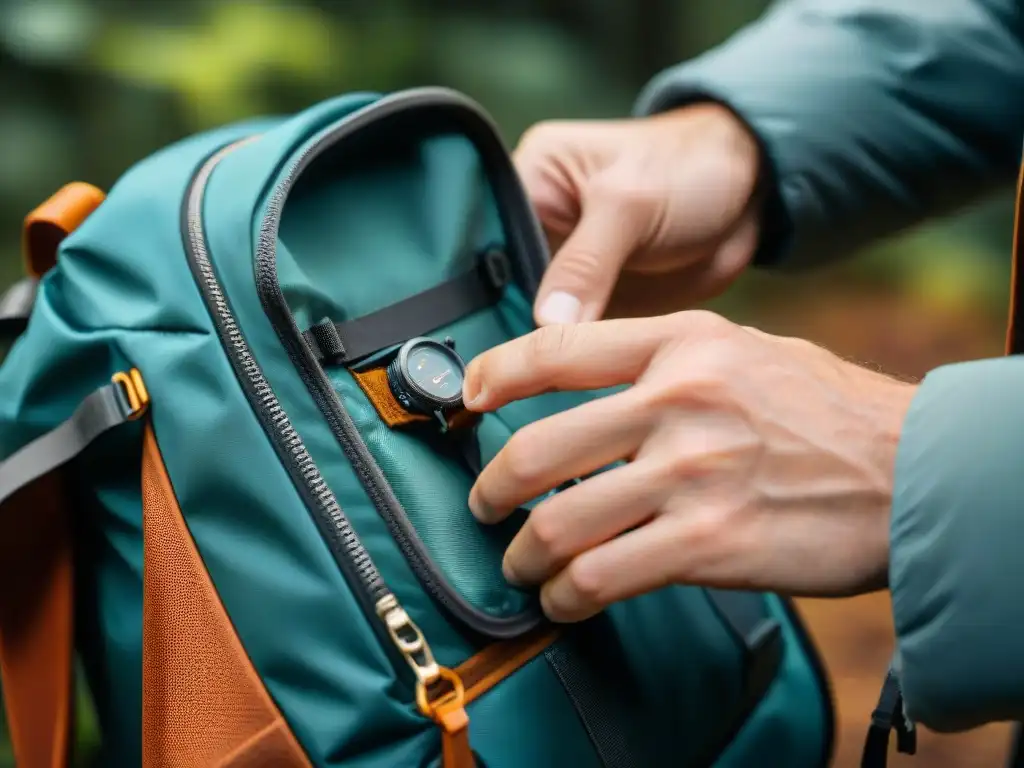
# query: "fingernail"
{"type": "Point", "coordinates": [559, 307]}
{"type": "Point", "coordinates": [480, 510]}
{"type": "Point", "coordinates": [509, 574]}
{"type": "Point", "coordinates": [472, 391]}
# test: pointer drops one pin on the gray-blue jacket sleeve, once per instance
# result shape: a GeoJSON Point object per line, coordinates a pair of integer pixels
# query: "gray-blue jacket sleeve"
{"type": "Point", "coordinates": [873, 113]}
{"type": "Point", "coordinates": [956, 569]}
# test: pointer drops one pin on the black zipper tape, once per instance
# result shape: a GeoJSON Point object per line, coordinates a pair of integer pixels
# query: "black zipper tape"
{"type": "Point", "coordinates": [436, 109]}
{"type": "Point", "coordinates": [351, 556]}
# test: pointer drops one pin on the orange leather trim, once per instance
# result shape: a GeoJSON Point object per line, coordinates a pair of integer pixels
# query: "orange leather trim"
{"type": "Point", "coordinates": [36, 637]}
{"type": "Point", "coordinates": [203, 703]}
{"type": "Point", "coordinates": [1015, 269]}
{"type": "Point", "coordinates": [498, 661]}
{"type": "Point", "coordinates": [374, 384]}
{"type": "Point", "coordinates": [447, 699]}
{"type": "Point", "coordinates": [47, 226]}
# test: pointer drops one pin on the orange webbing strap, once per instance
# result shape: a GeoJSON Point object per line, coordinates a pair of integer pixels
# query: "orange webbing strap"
{"type": "Point", "coordinates": [47, 226]}
{"type": "Point", "coordinates": [374, 384]}
{"type": "Point", "coordinates": [1012, 342]}
{"type": "Point", "coordinates": [36, 571]}
{"type": "Point", "coordinates": [36, 622]}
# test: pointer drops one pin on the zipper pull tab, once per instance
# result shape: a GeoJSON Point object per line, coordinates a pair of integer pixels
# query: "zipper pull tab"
{"type": "Point", "coordinates": [449, 709]}
{"type": "Point", "coordinates": [409, 640]}
{"type": "Point", "coordinates": [888, 716]}
{"type": "Point", "coordinates": [449, 712]}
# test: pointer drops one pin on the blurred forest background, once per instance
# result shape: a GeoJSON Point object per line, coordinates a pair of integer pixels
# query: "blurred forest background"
{"type": "Point", "coordinates": [88, 87]}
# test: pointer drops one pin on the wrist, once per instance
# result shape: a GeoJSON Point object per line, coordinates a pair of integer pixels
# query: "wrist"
{"type": "Point", "coordinates": [728, 133]}
{"type": "Point", "coordinates": [894, 399]}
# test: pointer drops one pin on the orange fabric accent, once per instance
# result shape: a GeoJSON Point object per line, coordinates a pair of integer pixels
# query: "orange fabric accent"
{"type": "Point", "coordinates": [203, 703]}
{"type": "Point", "coordinates": [1016, 267]}
{"type": "Point", "coordinates": [36, 637]}
{"type": "Point", "coordinates": [497, 661]}
{"type": "Point", "coordinates": [374, 383]}
{"type": "Point", "coordinates": [47, 226]}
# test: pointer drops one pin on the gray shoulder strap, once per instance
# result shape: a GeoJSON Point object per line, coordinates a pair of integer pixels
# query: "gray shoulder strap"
{"type": "Point", "coordinates": [123, 400]}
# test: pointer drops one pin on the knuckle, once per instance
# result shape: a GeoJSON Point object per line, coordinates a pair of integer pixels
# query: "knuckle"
{"type": "Point", "coordinates": [578, 267]}
{"type": "Point", "coordinates": [703, 323]}
{"type": "Point", "coordinates": [547, 533]}
{"type": "Point", "coordinates": [698, 388]}
{"type": "Point", "coordinates": [539, 134]}
{"type": "Point", "coordinates": [702, 537]}
{"type": "Point", "coordinates": [549, 343]}
{"type": "Point", "coordinates": [632, 194]}
{"type": "Point", "coordinates": [682, 466]}
{"type": "Point", "coordinates": [520, 464]}
{"type": "Point", "coordinates": [588, 584]}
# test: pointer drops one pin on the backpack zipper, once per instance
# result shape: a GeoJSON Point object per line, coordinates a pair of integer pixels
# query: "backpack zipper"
{"type": "Point", "coordinates": [525, 242]}
{"type": "Point", "coordinates": [402, 633]}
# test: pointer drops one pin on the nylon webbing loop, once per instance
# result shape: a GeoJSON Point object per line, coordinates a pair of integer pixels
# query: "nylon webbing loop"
{"type": "Point", "coordinates": [124, 399]}
{"type": "Point", "coordinates": [16, 306]}
{"type": "Point", "coordinates": [350, 341]}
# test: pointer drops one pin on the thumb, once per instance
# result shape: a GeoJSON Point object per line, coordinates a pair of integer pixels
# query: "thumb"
{"type": "Point", "coordinates": [582, 275]}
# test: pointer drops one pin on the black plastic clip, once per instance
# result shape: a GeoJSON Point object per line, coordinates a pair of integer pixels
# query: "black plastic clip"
{"type": "Point", "coordinates": [496, 268]}
{"type": "Point", "coordinates": [887, 717]}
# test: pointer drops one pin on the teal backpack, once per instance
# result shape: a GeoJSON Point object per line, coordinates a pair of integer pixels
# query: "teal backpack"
{"type": "Point", "coordinates": [230, 487]}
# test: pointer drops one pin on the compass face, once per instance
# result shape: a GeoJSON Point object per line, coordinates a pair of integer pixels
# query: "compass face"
{"type": "Point", "coordinates": [436, 371]}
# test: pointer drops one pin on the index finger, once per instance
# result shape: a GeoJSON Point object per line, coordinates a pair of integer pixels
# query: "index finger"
{"type": "Point", "coordinates": [565, 357]}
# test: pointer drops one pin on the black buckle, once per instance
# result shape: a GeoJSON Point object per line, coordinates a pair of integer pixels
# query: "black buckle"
{"type": "Point", "coordinates": [887, 717]}
{"type": "Point", "coordinates": [497, 270]}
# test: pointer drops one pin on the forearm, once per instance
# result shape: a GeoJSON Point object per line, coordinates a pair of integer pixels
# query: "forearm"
{"type": "Point", "coordinates": [957, 568]}
{"type": "Point", "coordinates": [873, 114]}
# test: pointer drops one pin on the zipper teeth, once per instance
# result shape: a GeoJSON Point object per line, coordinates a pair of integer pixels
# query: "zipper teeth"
{"type": "Point", "coordinates": [325, 499]}
{"type": "Point", "coordinates": [359, 456]}
{"type": "Point", "coordinates": [266, 271]}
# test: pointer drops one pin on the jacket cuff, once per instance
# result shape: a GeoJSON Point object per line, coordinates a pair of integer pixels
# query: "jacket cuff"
{"type": "Point", "coordinates": [957, 547]}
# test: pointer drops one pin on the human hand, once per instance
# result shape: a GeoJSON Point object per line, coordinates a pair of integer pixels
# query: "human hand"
{"type": "Point", "coordinates": [755, 462]}
{"type": "Point", "coordinates": [625, 202]}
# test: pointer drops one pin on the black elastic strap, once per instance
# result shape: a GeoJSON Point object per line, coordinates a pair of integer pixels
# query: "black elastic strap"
{"type": "Point", "coordinates": [887, 717]}
{"type": "Point", "coordinates": [473, 290]}
{"type": "Point", "coordinates": [104, 409]}
{"type": "Point", "coordinates": [747, 615]}
{"type": "Point", "coordinates": [16, 306]}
